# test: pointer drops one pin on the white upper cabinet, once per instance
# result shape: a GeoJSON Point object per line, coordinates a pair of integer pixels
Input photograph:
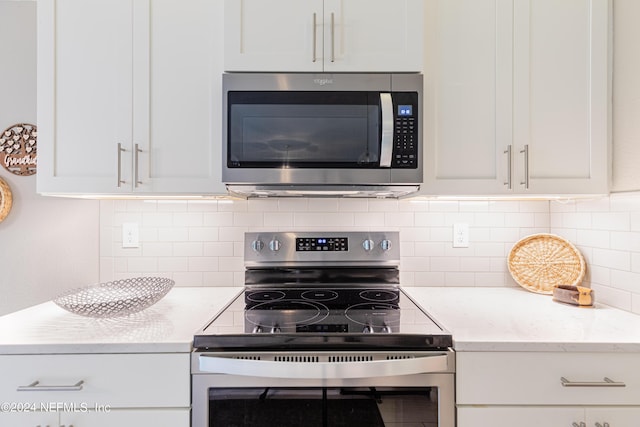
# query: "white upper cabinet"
{"type": "Point", "coordinates": [516, 97]}
{"type": "Point", "coordinates": [324, 35]}
{"type": "Point", "coordinates": [126, 96]}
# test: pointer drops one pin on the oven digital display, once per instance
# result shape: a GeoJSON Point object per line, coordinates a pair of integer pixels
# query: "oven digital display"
{"type": "Point", "coordinates": [405, 110]}
{"type": "Point", "coordinates": [322, 328]}
{"type": "Point", "coordinates": [330, 244]}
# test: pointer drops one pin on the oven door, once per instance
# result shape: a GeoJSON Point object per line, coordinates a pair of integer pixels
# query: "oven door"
{"type": "Point", "coordinates": [346, 389]}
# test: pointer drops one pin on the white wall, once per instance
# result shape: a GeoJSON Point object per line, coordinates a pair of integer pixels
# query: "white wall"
{"type": "Point", "coordinates": [46, 244]}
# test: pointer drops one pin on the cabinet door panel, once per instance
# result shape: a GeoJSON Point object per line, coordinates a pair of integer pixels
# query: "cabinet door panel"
{"type": "Point", "coordinates": [29, 419]}
{"type": "Point", "coordinates": [84, 85]}
{"type": "Point", "coordinates": [177, 90]}
{"type": "Point", "coordinates": [467, 124]}
{"type": "Point", "coordinates": [519, 416]}
{"type": "Point", "coordinates": [276, 35]}
{"type": "Point", "coordinates": [560, 94]}
{"type": "Point", "coordinates": [128, 418]}
{"type": "Point", "coordinates": [614, 416]}
{"type": "Point", "coordinates": [373, 35]}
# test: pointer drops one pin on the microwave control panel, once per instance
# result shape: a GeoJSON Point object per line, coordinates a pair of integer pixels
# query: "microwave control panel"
{"type": "Point", "coordinates": [405, 138]}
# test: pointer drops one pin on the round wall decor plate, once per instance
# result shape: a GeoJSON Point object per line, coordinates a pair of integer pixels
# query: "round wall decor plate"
{"type": "Point", "coordinates": [18, 149]}
{"type": "Point", "coordinates": [543, 261]}
{"type": "Point", "coordinates": [6, 199]}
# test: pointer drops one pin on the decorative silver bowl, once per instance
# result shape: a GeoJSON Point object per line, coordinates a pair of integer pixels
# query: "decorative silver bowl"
{"type": "Point", "coordinates": [117, 298]}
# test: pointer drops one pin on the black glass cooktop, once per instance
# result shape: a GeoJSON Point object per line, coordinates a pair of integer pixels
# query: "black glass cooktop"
{"type": "Point", "coordinates": [320, 318]}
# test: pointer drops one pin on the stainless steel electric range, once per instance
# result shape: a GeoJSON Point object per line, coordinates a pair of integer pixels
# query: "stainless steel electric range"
{"type": "Point", "coordinates": [320, 328]}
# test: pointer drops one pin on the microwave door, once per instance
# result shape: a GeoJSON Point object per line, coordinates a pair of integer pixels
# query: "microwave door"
{"type": "Point", "coordinates": [386, 136]}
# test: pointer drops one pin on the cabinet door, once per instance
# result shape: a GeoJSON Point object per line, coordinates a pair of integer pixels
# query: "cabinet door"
{"type": "Point", "coordinates": [467, 119]}
{"type": "Point", "coordinates": [520, 416]}
{"type": "Point", "coordinates": [84, 94]}
{"type": "Point", "coordinates": [561, 79]}
{"type": "Point", "coordinates": [274, 35]}
{"type": "Point", "coordinates": [613, 417]}
{"type": "Point", "coordinates": [106, 417]}
{"type": "Point", "coordinates": [373, 35]}
{"type": "Point", "coordinates": [177, 96]}
{"type": "Point", "coordinates": [29, 419]}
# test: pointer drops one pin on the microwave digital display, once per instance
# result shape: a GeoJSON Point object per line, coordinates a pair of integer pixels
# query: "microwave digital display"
{"type": "Point", "coordinates": [405, 110]}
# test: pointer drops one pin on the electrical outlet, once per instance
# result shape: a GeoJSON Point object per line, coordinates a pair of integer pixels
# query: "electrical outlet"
{"type": "Point", "coordinates": [461, 235]}
{"type": "Point", "coordinates": [130, 235]}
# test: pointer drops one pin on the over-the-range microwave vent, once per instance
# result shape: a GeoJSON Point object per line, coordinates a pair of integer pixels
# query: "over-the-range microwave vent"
{"type": "Point", "coordinates": [355, 191]}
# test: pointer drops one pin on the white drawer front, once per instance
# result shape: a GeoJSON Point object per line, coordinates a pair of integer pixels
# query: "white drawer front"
{"type": "Point", "coordinates": [114, 380]}
{"type": "Point", "coordinates": [536, 378]}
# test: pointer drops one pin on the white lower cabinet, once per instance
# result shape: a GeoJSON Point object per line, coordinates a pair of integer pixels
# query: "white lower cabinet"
{"type": "Point", "coordinates": [95, 390]}
{"type": "Point", "coordinates": [547, 389]}
{"type": "Point", "coordinates": [524, 416]}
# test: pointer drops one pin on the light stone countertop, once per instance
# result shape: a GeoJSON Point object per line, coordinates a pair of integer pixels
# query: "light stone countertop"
{"type": "Point", "coordinates": [514, 319]}
{"type": "Point", "coordinates": [480, 319]}
{"type": "Point", "coordinates": [166, 327]}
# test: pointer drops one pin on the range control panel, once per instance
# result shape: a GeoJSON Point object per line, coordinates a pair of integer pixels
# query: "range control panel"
{"type": "Point", "coordinates": [322, 244]}
{"type": "Point", "coordinates": [311, 248]}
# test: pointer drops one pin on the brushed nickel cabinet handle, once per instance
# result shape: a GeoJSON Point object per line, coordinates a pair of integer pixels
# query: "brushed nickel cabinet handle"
{"type": "Point", "coordinates": [606, 382]}
{"type": "Point", "coordinates": [36, 386]}
{"type": "Point", "coordinates": [526, 166]}
{"type": "Point", "coordinates": [602, 425]}
{"type": "Point", "coordinates": [333, 37]}
{"type": "Point", "coordinates": [582, 424]}
{"type": "Point", "coordinates": [120, 151]}
{"type": "Point", "coordinates": [315, 38]}
{"type": "Point", "coordinates": [508, 153]}
{"type": "Point", "coordinates": [137, 152]}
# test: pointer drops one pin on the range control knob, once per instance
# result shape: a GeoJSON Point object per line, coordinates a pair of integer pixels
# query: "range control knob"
{"type": "Point", "coordinates": [385, 245]}
{"type": "Point", "coordinates": [257, 245]}
{"type": "Point", "coordinates": [368, 245]}
{"type": "Point", "coordinates": [367, 330]}
{"type": "Point", "coordinates": [274, 245]}
{"type": "Point", "coordinates": [275, 329]}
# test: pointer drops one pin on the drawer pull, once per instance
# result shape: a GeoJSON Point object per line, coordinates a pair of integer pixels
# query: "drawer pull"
{"type": "Point", "coordinates": [606, 383]}
{"type": "Point", "coordinates": [582, 424]}
{"type": "Point", "coordinates": [602, 425]}
{"type": "Point", "coordinates": [36, 386]}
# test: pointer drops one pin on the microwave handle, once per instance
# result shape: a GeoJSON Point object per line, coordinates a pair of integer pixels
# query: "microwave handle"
{"type": "Point", "coordinates": [386, 139]}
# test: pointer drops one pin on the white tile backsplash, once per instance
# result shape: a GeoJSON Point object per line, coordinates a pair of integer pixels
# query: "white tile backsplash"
{"type": "Point", "coordinates": [199, 243]}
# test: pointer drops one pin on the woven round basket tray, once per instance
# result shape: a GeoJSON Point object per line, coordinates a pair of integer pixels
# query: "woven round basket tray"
{"type": "Point", "coordinates": [543, 261]}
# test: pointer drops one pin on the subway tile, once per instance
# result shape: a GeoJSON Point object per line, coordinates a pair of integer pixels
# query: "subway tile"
{"type": "Point", "coordinates": [625, 280]}
{"type": "Point", "coordinates": [383, 205]}
{"type": "Point", "coordinates": [429, 278]}
{"type": "Point", "coordinates": [278, 219]}
{"type": "Point", "coordinates": [612, 221]}
{"type": "Point", "coordinates": [473, 206]}
{"type": "Point", "coordinates": [404, 219]}
{"type": "Point", "coordinates": [173, 234]}
{"type": "Point", "coordinates": [203, 263]}
{"type": "Point", "coordinates": [205, 234]}
{"type": "Point", "coordinates": [625, 241]}
{"type": "Point", "coordinates": [576, 220]}
{"type": "Point", "coordinates": [353, 205]}
{"type": "Point", "coordinates": [619, 260]}
{"type": "Point", "coordinates": [519, 219]}
{"type": "Point", "coordinates": [429, 249]}
{"type": "Point", "coordinates": [217, 219]}
{"type": "Point", "coordinates": [625, 202]}
{"type": "Point", "coordinates": [213, 249]}
{"type": "Point", "coordinates": [157, 249]}
{"type": "Point", "coordinates": [248, 219]}
{"type": "Point", "coordinates": [173, 264]}
{"type": "Point", "coordinates": [445, 264]}
{"type": "Point", "coordinates": [489, 279]}
{"type": "Point", "coordinates": [475, 264]}
{"type": "Point", "coordinates": [536, 206]}
{"type": "Point", "coordinates": [157, 219]}
{"type": "Point", "coordinates": [202, 206]}
{"type": "Point", "coordinates": [233, 205]}
{"type": "Point", "coordinates": [370, 219]}
{"type": "Point", "coordinates": [231, 263]}
{"type": "Point", "coordinates": [593, 238]}
{"type": "Point", "coordinates": [189, 278]}
{"type": "Point", "coordinates": [293, 205]}
{"type": "Point", "coordinates": [219, 278]}
{"type": "Point", "coordinates": [429, 219]}
{"type": "Point", "coordinates": [444, 206]}
{"type": "Point", "coordinates": [612, 296]}
{"type": "Point", "coordinates": [489, 249]}
{"type": "Point", "coordinates": [458, 217]}
{"type": "Point", "coordinates": [459, 279]}
{"type": "Point", "coordinates": [174, 206]}
{"type": "Point", "coordinates": [262, 205]}
{"type": "Point", "coordinates": [559, 206]}
{"type": "Point", "coordinates": [323, 205]}
{"type": "Point", "coordinates": [504, 206]}
{"type": "Point", "coordinates": [417, 263]}
{"type": "Point", "coordinates": [634, 220]}
{"type": "Point", "coordinates": [415, 234]}
{"type": "Point", "coordinates": [492, 219]}
{"type": "Point", "coordinates": [142, 264]}
{"type": "Point", "coordinates": [188, 249]}
{"type": "Point", "coordinates": [188, 219]}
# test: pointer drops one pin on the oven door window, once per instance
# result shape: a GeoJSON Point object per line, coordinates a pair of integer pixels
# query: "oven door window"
{"type": "Point", "coordinates": [323, 407]}
{"type": "Point", "coordinates": [304, 129]}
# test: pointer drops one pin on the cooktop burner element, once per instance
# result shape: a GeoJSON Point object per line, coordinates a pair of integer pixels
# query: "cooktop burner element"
{"type": "Point", "coordinates": [322, 291]}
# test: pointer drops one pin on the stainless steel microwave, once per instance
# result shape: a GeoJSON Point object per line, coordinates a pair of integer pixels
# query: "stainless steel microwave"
{"type": "Point", "coordinates": [310, 134]}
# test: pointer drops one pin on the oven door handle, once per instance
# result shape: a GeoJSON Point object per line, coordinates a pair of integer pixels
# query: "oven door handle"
{"type": "Point", "coordinates": [323, 370]}
{"type": "Point", "coordinates": [386, 138]}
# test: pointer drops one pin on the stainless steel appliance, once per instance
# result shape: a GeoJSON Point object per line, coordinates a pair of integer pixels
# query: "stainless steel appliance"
{"type": "Point", "coordinates": [322, 134]}
{"type": "Point", "coordinates": [322, 335]}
